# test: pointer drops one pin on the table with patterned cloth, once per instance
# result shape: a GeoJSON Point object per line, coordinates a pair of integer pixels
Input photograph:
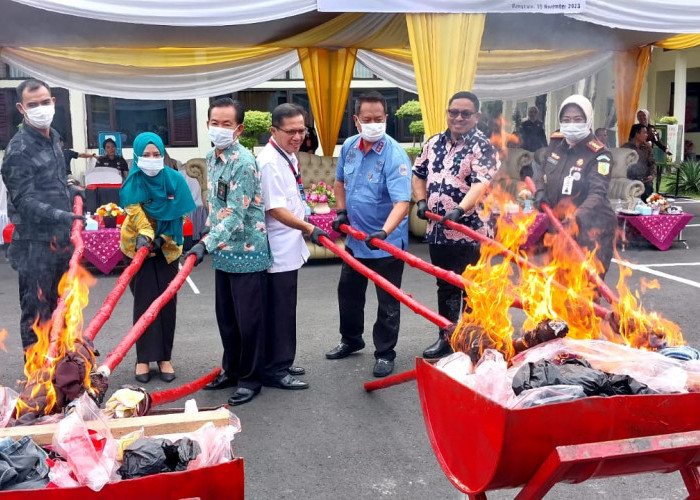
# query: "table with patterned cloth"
{"type": "Point", "coordinates": [324, 222]}
{"type": "Point", "coordinates": [102, 248]}
{"type": "Point", "coordinates": [659, 230]}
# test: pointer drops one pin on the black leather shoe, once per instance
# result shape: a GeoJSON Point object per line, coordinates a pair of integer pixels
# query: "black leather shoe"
{"type": "Point", "coordinates": [289, 383]}
{"type": "Point", "coordinates": [167, 377]}
{"type": "Point", "coordinates": [438, 350]}
{"type": "Point", "coordinates": [383, 367]}
{"type": "Point", "coordinates": [343, 350]}
{"type": "Point", "coordinates": [143, 378]}
{"type": "Point", "coordinates": [242, 396]}
{"type": "Point", "coordinates": [223, 381]}
{"type": "Point", "coordinates": [296, 370]}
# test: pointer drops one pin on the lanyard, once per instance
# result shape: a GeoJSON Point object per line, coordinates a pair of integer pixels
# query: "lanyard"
{"type": "Point", "coordinates": [297, 175]}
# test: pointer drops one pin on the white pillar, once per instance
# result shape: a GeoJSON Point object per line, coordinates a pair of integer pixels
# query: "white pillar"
{"type": "Point", "coordinates": [680, 79]}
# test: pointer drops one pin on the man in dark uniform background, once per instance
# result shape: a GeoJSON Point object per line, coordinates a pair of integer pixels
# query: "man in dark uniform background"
{"type": "Point", "coordinates": [575, 178]}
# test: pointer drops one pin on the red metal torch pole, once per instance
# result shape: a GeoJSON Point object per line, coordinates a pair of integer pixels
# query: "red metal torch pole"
{"type": "Point", "coordinates": [170, 395]}
{"type": "Point", "coordinates": [410, 259]}
{"type": "Point", "coordinates": [57, 318]}
{"type": "Point", "coordinates": [115, 357]}
{"type": "Point", "coordinates": [105, 311]}
{"type": "Point", "coordinates": [609, 295]}
{"type": "Point", "coordinates": [389, 287]}
{"type": "Point", "coordinates": [600, 311]}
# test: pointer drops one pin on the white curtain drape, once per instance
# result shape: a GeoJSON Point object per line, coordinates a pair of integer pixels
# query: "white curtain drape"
{"type": "Point", "coordinates": [498, 84]}
{"type": "Point", "coordinates": [150, 83]}
{"type": "Point", "coordinates": [439, 6]}
{"type": "Point", "coordinates": [178, 12]}
{"type": "Point", "coordinates": [664, 16]}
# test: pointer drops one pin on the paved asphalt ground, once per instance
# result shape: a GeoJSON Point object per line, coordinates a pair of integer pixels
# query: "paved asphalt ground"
{"type": "Point", "coordinates": [334, 440]}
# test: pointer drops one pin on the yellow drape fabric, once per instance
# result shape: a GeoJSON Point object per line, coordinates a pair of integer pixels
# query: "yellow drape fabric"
{"type": "Point", "coordinates": [508, 61]}
{"type": "Point", "coordinates": [327, 74]}
{"type": "Point", "coordinates": [630, 67]}
{"type": "Point", "coordinates": [679, 42]}
{"type": "Point", "coordinates": [444, 49]}
{"type": "Point", "coordinates": [158, 57]}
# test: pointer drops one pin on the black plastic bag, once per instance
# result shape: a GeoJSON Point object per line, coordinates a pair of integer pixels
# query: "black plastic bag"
{"type": "Point", "coordinates": [575, 371]}
{"type": "Point", "coordinates": [148, 456]}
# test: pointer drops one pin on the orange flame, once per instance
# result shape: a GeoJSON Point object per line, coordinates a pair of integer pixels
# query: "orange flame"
{"type": "Point", "coordinates": [487, 323]}
{"type": "Point", "coordinates": [43, 356]}
{"type": "Point", "coordinates": [502, 139]}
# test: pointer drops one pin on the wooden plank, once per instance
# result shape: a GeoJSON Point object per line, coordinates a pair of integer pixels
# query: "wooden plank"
{"type": "Point", "coordinates": [170, 423]}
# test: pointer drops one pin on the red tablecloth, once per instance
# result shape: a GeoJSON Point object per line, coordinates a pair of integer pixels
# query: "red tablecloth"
{"type": "Point", "coordinates": [659, 230]}
{"type": "Point", "coordinates": [324, 222]}
{"type": "Point", "coordinates": [102, 248]}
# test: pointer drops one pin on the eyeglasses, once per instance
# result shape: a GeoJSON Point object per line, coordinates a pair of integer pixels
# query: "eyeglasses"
{"type": "Point", "coordinates": [464, 113]}
{"type": "Point", "coordinates": [291, 133]}
{"type": "Point", "coordinates": [575, 119]}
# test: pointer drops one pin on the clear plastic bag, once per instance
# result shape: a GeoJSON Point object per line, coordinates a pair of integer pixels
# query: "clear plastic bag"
{"type": "Point", "coordinates": [547, 395]}
{"type": "Point", "coordinates": [491, 379]}
{"type": "Point", "coordinates": [91, 452]}
{"type": "Point", "coordinates": [8, 400]}
{"type": "Point", "coordinates": [457, 365]}
{"type": "Point", "coordinates": [61, 475]}
{"type": "Point", "coordinates": [655, 370]}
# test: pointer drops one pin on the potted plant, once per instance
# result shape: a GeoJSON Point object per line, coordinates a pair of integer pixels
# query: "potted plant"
{"type": "Point", "coordinates": [320, 195]}
{"type": "Point", "coordinates": [109, 213]}
{"type": "Point", "coordinates": [410, 110]}
{"type": "Point", "coordinates": [255, 124]}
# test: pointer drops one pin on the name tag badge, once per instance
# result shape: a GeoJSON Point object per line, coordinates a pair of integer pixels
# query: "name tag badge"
{"type": "Point", "coordinates": [567, 185]}
{"type": "Point", "coordinates": [222, 190]}
{"type": "Point", "coordinates": [302, 194]}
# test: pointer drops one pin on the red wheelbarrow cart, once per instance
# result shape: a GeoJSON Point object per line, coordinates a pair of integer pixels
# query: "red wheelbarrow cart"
{"type": "Point", "coordinates": [483, 446]}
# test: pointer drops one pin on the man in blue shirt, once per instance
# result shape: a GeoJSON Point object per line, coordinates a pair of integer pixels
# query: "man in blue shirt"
{"type": "Point", "coordinates": [372, 191]}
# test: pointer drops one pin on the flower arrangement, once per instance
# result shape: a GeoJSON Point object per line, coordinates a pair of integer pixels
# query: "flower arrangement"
{"type": "Point", "coordinates": [110, 210]}
{"type": "Point", "coordinates": [320, 193]}
{"type": "Point", "coordinates": [658, 202]}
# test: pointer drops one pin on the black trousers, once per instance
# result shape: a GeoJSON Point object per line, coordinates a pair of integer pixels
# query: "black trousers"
{"type": "Point", "coordinates": [156, 344]}
{"type": "Point", "coordinates": [352, 288]}
{"type": "Point", "coordinates": [281, 323]}
{"type": "Point", "coordinates": [40, 266]}
{"type": "Point", "coordinates": [451, 299]}
{"type": "Point", "coordinates": [240, 299]}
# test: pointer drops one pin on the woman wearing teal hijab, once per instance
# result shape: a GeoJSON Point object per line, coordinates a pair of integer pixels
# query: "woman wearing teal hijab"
{"type": "Point", "coordinates": [155, 199]}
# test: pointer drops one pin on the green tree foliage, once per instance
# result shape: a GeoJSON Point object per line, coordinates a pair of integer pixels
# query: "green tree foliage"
{"type": "Point", "coordinates": [255, 124]}
{"type": "Point", "coordinates": [410, 110]}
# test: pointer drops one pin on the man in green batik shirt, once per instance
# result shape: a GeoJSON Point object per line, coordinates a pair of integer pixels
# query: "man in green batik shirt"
{"type": "Point", "coordinates": [237, 242]}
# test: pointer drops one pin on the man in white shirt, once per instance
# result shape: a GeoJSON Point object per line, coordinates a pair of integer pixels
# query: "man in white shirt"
{"type": "Point", "coordinates": [285, 209]}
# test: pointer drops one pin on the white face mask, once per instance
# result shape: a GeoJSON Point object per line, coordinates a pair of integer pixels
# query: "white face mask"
{"type": "Point", "coordinates": [574, 132]}
{"type": "Point", "coordinates": [372, 132]}
{"type": "Point", "coordinates": [41, 116]}
{"type": "Point", "coordinates": [150, 166]}
{"type": "Point", "coordinates": [222, 138]}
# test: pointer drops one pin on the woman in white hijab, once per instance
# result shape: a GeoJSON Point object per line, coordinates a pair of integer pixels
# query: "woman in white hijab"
{"type": "Point", "coordinates": [575, 178]}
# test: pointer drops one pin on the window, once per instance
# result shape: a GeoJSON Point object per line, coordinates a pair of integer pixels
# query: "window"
{"type": "Point", "coordinates": [173, 121]}
{"type": "Point", "coordinates": [359, 72]}
{"type": "Point", "coordinates": [266, 100]}
{"type": "Point", "coordinates": [9, 73]}
{"type": "Point", "coordinates": [398, 129]}
{"type": "Point", "coordinates": [10, 117]}
{"type": "Point", "coordinates": [692, 106]}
